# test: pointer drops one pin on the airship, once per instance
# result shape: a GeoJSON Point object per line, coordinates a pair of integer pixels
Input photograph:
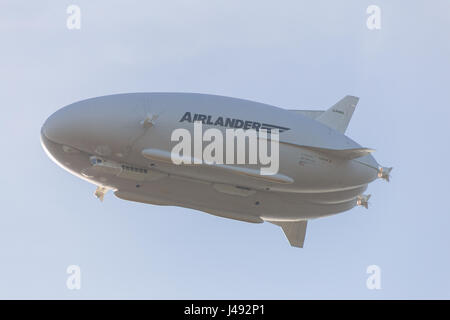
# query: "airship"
{"type": "Point", "coordinates": [124, 143]}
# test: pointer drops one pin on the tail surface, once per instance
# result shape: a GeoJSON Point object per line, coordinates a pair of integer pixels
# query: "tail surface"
{"type": "Point", "coordinates": [338, 116]}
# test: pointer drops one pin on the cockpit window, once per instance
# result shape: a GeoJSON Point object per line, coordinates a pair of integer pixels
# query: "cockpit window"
{"type": "Point", "coordinates": [95, 160]}
{"type": "Point", "coordinates": [133, 169]}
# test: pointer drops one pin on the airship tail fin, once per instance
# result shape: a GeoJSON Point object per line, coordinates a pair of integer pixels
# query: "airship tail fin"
{"type": "Point", "coordinates": [338, 116]}
{"type": "Point", "coordinates": [295, 231]}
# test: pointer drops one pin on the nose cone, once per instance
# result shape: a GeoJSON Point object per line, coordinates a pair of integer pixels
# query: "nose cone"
{"type": "Point", "coordinates": [62, 126]}
{"type": "Point", "coordinates": [51, 149]}
{"type": "Point", "coordinates": [74, 127]}
{"type": "Point", "coordinates": [97, 126]}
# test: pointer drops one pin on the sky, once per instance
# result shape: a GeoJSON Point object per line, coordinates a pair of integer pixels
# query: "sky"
{"type": "Point", "coordinates": [291, 54]}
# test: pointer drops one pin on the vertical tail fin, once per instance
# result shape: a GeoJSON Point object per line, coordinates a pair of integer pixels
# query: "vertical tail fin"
{"type": "Point", "coordinates": [338, 116]}
{"type": "Point", "coordinates": [295, 231]}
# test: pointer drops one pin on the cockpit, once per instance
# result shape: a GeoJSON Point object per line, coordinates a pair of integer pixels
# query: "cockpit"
{"type": "Point", "coordinates": [95, 160]}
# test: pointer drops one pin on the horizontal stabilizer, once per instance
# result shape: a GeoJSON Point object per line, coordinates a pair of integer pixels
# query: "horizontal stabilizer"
{"type": "Point", "coordinates": [295, 231]}
{"type": "Point", "coordinates": [347, 154]}
{"type": "Point", "coordinates": [339, 115]}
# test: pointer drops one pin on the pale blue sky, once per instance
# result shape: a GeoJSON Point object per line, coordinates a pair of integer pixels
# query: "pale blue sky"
{"type": "Point", "coordinates": [293, 54]}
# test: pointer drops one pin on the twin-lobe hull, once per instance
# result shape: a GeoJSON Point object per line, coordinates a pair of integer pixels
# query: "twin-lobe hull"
{"type": "Point", "coordinates": [222, 199]}
{"type": "Point", "coordinates": [124, 143]}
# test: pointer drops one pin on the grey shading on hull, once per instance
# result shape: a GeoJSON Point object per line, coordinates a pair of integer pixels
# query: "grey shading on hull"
{"type": "Point", "coordinates": [313, 114]}
{"type": "Point", "coordinates": [130, 196]}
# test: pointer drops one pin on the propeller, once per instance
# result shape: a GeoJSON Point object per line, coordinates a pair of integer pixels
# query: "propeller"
{"type": "Point", "coordinates": [384, 173]}
{"type": "Point", "coordinates": [363, 200]}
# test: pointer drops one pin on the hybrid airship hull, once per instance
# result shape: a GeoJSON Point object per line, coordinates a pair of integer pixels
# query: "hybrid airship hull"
{"type": "Point", "coordinates": [124, 143]}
